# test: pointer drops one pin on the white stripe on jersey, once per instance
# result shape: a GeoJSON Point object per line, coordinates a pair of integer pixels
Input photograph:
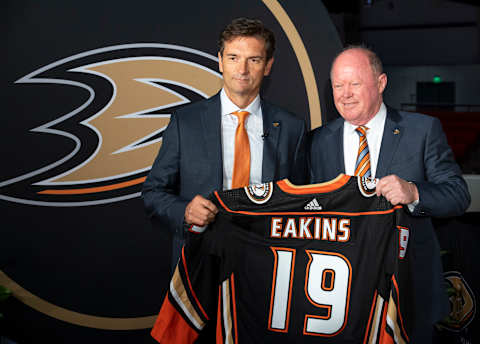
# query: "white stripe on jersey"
{"type": "Point", "coordinates": [179, 301]}
{"type": "Point", "coordinates": [376, 321]}
{"type": "Point", "coordinates": [227, 315]}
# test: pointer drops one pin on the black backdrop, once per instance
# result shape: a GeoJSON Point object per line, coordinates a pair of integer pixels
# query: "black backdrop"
{"type": "Point", "coordinates": [84, 263]}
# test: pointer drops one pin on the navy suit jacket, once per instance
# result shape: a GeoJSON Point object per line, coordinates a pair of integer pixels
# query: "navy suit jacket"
{"type": "Point", "coordinates": [414, 147]}
{"type": "Point", "coordinates": [190, 160]}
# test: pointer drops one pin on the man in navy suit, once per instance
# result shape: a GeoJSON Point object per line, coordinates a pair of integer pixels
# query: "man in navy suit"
{"type": "Point", "coordinates": [197, 153]}
{"type": "Point", "coordinates": [408, 153]}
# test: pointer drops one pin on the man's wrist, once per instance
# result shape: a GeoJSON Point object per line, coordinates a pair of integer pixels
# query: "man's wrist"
{"type": "Point", "coordinates": [411, 206]}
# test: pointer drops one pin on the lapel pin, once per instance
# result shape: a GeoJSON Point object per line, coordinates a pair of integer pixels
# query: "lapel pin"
{"type": "Point", "coordinates": [276, 124]}
{"type": "Point", "coordinates": [396, 132]}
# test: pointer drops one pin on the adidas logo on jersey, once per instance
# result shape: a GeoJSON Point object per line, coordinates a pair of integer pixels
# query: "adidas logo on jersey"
{"type": "Point", "coordinates": [313, 205]}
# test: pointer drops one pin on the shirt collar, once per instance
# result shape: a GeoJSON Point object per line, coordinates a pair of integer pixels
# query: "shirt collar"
{"type": "Point", "coordinates": [375, 124]}
{"type": "Point", "coordinates": [228, 106]}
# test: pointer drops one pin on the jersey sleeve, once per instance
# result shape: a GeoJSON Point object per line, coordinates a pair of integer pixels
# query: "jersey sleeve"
{"type": "Point", "coordinates": [396, 312]}
{"type": "Point", "coordinates": [191, 301]}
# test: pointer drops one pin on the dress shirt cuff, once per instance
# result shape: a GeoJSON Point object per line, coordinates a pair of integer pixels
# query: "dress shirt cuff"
{"type": "Point", "coordinates": [192, 228]}
{"type": "Point", "coordinates": [411, 206]}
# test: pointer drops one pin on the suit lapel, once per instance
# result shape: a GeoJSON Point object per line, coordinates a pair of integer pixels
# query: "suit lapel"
{"type": "Point", "coordinates": [212, 133]}
{"type": "Point", "coordinates": [335, 160]}
{"type": "Point", "coordinates": [271, 130]}
{"type": "Point", "coordinates": [390, 140]}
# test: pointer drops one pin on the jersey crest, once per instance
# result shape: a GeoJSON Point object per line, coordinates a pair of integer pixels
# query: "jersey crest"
{"type": "Point", "coordinates": [259, 193]}
{"type": "Point", "coordinates": [367, 185]}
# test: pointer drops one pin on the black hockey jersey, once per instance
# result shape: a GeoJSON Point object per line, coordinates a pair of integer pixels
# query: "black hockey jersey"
{"type": "Point", "coordinates": [323, 263]}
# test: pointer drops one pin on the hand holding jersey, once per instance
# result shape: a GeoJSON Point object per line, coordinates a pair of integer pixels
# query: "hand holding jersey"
{"type": "Point", "coordinates": [200, 211]}
{"type": "Point", "coordinates": [396, 190]}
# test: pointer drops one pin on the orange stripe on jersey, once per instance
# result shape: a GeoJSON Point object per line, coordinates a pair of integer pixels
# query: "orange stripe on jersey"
{"type": "Point", "coordinates": [232, 282]}
{"type": "Point", "coordinates": [190, 284]}
{"type": "Point", "coordinates": [329, 186]}
{"type": "Point", "coordinates": [170, 327]}
{"type": "Point", "coordinates": [369, 324]}
{"type": "Point", "coordinates": [379, 212]}
{"type": "Point", "coordinates": [385, 337]}
{"type": "Point", "coordinates": [376, 320]}
{"type": "Point", "coordinates": [219, 317]}
{"type": "Point", "coordinates": [392, 322]}
{"type": "Point", "coordinates": [399, 314]}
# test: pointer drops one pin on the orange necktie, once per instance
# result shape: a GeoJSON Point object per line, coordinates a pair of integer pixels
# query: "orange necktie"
{"type": "Point", "coordinates": [362, 166]}
{"type": "Point", "coordinates": [241, 160]}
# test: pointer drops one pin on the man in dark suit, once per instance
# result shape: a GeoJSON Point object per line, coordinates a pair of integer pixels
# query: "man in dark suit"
{"type": "Point", "coordinates": [198, 151]}
{"type": "Point", "coordinates": [408, 153]}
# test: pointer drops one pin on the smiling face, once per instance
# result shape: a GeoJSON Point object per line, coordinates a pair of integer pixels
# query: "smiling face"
{"type": "Point", "coordinates": [357, 89]}
{"type": "Point", "coordinates": [243, 64]}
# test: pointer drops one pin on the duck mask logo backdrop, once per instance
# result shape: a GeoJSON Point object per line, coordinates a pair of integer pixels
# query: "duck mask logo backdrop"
{"type": "Point", "coordinates": [89, 90]}
{"type": "Point", "coordinates": [116, 132]}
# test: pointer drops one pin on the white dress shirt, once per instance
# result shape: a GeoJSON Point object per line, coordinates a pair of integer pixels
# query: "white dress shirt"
{"type": "Point", "coordinates": [374, 139]}
{"type": "Point", "coordinates": [254, 127]}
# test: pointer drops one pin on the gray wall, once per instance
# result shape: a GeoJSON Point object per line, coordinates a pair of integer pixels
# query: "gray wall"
{"type": "Point", "coordinates": [402, 81]}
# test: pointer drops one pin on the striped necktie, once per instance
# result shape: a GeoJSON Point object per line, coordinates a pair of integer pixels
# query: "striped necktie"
{"type": "Point", "coordinates": [362, 166]}
{"type": "Point", "coordinates": [241, 160]}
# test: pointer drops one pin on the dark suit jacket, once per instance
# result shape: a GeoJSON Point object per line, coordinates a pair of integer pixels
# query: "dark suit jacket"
{"type": "Point", "coordinates": [190, 160]}
{"type": "Point", "coordinates": [414, 147]}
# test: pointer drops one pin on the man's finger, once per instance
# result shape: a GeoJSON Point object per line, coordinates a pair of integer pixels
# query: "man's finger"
{"type": "Point", "coordinates": [210, 206]}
